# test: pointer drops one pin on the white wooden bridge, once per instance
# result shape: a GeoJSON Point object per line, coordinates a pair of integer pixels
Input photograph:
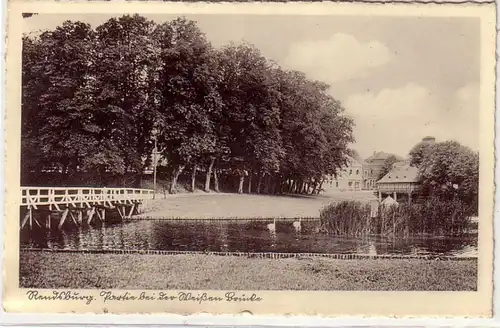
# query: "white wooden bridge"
{"type": "Point", "coordinates": [78, 204]}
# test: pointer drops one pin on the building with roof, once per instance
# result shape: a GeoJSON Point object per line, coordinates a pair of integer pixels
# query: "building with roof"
{"type": "Point", "coordinates": [373, 166]}
{"type": "Point", "coordinates": [400, 183]}
{"type": "Point", "coordinates": [349, 178]}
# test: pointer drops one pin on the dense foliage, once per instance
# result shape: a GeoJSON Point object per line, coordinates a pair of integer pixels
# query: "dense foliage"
{"type": "Point", "coordinates": [434, 216]}
{"type": "Point", "coordinates": [447, 170]}
{"type": "Point", "coordinates": [95, 101]}
{"type": "Point", "coordinates": [388, 165]}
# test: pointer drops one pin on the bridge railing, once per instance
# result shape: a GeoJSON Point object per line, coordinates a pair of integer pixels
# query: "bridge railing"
{"type": "Point", "coordinates": [33, 196]}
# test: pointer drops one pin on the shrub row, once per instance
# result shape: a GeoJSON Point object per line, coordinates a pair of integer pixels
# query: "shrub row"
{"type": "Point", "coordinates": [431, 216]}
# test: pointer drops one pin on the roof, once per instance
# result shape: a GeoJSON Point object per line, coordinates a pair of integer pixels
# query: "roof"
{"type": "Point", "coordinates": [389, 201]}
{"type": "Point", "coordinates": [356, 156]}
{"type": "Point", "coordinates": [383, 156]}
{"type": "Point", "coordinates": [401, 163]}
{"type": "Point", "coordinates": [354, 162]}
{"type": "Point", "coordinates": [404, 173]}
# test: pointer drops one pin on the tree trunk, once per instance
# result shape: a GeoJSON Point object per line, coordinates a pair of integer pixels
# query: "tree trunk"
{"type": "Point", "coordinates": [265, 188]}
{"type": "Point", "coordinates": [175, 177]}
{"type": "Point", "coordinates": [283, 186]}
{"type": "Point", "coordinates": [302, 187]}
{"type": "Point", "coordinates": [102, 176]}
{"type": "Point", "coordinates": [137, 180]}
{"type": "Point", "coordinates": [242, 181]}
{"type": "Point", "coordinates": [298, 187]}
{"type": "Point", "coordinates": [315, 187]}
{"type": "Point", "coordinates": [250, 182]}
{"type": "Point", "coordinates": [259, 183]}
{"type": "Point", "coordinates": [209, 174]}
{"type": "Point", "coordinates": [216, 181]}
{"type": "Point", "coordinates": [321, 185]}
{"type": "Point", "coordinates": [273, 186]}
{"type": "Point", "coordinates": [193, 177]}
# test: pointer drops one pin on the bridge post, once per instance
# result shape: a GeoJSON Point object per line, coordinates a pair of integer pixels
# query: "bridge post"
{"type": "Point", "coordinates": [63, 217]}
{"type": "Point", "coordinates": [90, 214]}
{"type": "Point", "coordinates": [27, 217]}
{"type": "Point", "coordinates": [80, 216]}
{"type": "Point", "coordinates": [131, 211]}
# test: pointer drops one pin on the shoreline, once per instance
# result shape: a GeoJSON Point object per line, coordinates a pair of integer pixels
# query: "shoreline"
{"type": "Point", "coordinates": [140, 217]}
{"type": "Point", "coordinates": [258, 255]}
{"type": "Point", "coordinates": [208, 272]}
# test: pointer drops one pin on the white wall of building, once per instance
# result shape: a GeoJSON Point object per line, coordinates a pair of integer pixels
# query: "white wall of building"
{"type": "Point", "coordinates": [350, 178]}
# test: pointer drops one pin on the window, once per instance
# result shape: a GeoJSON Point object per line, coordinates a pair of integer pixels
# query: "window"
{"type": "Point", "coordinates": [350, 184]}
{"type": "Point", "coordinates": [350, 172]}
{"type": "Point", "coordinates": [357, 172]}
{"type": "Point", "coordinates": [337, 184]}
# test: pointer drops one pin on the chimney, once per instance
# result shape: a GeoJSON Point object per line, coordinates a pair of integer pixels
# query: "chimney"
{"type": "Point", "coordinates": [428, 140]}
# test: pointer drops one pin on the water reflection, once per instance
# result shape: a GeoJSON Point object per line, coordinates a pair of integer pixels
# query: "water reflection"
{"type": "Point", "coordinates": [292, 236]}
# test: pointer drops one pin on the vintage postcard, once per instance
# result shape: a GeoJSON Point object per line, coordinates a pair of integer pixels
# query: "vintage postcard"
{"type": "Point", "coordinates": [331, 159]}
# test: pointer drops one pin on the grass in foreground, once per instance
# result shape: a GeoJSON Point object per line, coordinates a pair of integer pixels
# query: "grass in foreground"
{"type": "Point", "coordinates": [135, 271]}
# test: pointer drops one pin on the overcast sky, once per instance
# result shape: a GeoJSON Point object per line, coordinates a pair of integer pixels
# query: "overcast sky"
{"type": "Point", "coordinates": [400, 78]}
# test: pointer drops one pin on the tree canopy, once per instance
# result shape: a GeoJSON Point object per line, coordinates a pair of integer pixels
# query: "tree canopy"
{"type": "Point", "coordinates": [448, 170]}
{"type": "Point", "coordinates": [96, 100]}
{"type": "Point", "coordinates": [388, 164]}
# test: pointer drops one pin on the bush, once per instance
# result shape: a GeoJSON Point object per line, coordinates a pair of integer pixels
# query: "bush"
{"type": "Point", "coordinates": [432, 216]}
{"type": "Point", "coordinates": [349, 218]}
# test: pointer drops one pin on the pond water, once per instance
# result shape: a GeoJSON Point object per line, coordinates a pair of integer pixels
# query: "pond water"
{"type": "Point", "coordinates": [287, 236]}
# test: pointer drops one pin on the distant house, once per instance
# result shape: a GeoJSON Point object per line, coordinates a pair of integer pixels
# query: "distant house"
{"type": "Point", "coordinates": [401, 182]}
{"type": "Point", "coordinates": [349, 178]}
{"type": "Point", "coordinates": [372, 167]}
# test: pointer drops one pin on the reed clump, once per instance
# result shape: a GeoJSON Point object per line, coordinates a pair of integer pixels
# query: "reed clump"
{"type": "Point", "coordinates": [432, 216]}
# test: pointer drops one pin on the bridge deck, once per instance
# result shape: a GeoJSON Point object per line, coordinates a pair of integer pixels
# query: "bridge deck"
{"type": "Point", "coordinates": [32, 197]}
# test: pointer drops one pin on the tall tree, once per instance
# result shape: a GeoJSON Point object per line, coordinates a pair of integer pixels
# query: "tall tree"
{"type": "Point", "coordinates": [126, 60]}
{"type": "Point", "coordinates": [188, 95]}
{"type": "Point", "coordinates": [56, 77]}
{"type": "Point", "coordinates": [387, 166]}
{"type": "Point", "coordinates": [450, 170]}
{"type": "Point", "coordinates": [419, 152]}
{"type": "Point", "coordinates": [315, 132]}
{"type": "Point", "coordinates": [250, 112]}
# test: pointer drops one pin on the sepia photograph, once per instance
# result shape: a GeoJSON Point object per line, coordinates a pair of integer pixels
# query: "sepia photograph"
{"type": "Point", "coordinates": [251, 152]}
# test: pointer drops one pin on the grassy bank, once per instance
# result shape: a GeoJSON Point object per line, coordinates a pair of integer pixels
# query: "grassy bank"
{"type": "Point", "coordinates": [134, 271]}
{"type": "Point", "coordinates": [212, 205]}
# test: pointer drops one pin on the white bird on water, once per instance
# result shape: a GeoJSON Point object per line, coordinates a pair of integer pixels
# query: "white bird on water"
{"type": "Point", "coordinates": [297, 225]}
{"type": "Point", "coordinates": [272, 227]}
